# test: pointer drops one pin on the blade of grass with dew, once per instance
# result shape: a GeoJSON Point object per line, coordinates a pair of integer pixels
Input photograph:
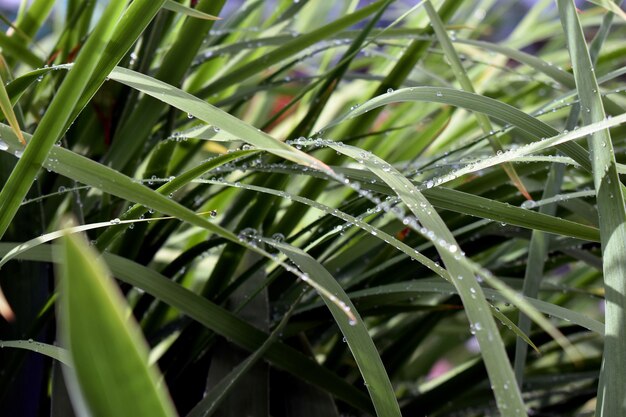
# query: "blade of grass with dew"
{"type": "Point", "coordinates": [507, 393]}
{"type": "Point", "coordinates": [475, 205]}
{"type": "Point", "coordinates": [138, 126]}
{"type": "Point", "coordinates": [100, 176]}
{"type": "Point", "coordinates": [396, 76]}
{"type": "Point", "coordinates": [374, 231]}
{"type": "Point", "coordinates": [612, 215]}
{"type": "Point", "coordinates": [356, 334]}
{"type": "Point", "coordinates": [466, 84]}
{"type": "Point", "coordinates": [539, 243]}
{"type": "Point", "coordinates": [433, 229]}
{"type": "Point", "coordinates": [466, 203]}
{"type": "Point", "coordinates": [470, 204]}
{"type": "Point", "coordinates": [212, 115]}
{"type": "Point", "coordinates": [288, 49]}
{"type": "Point", "coordinates": [169, 187]}
{"type": "Point", "coordinates": [217, 319]}
{"type": "Point", "coordinates": [58, 113]}
{"type": "Point", "coordinates": [55, 352]}
{"type": "Point", "coordinates": [474, 102]}
{"type": "Point", "coordinates": [106, 346]}
{"type": "Point", "coordinates": [413, 288]}
{"type": "Point", "coordinates": [172, 6]}
{"type": "Point", "coordinates": [48, 237]}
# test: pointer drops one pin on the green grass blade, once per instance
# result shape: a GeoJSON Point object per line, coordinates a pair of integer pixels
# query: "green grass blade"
{"type": "Point", "coordinates": [415, 288]}
{"type": "Point", "coordinates": [538, 250]}
{"type": "Point", "coordinates": [172, 6]}
{"type": "Point", "coordinates": [53, 122]}
{"type": "Point", "coordinates": [212, 115]}
{"type": "Point", "coordinates": [33, 17]}
{"type": "Point", "coordinates": [55, 352]}
{"type": "Point", "coordinates": [612, 215]}
{"type": "Point", "coordinates": [7, 109]}
{"type": "Point", "coordinates": [356, 334]}
{"type": "Point", "coordinates": [466, 84]}
{"type": "Point", "coordinates": [138, 124]}
{"type": "Point", "coordinates": [107, 348]}
{"type": "Point", "coordinates": [217, 319]}
{"type": "Point", "coordinates": [482, 324]}
{"type": "Point", "coordinates": [288, 49]}
{"type": "Point", "coordinates": [496, 109]}
{"type": "Point", "coordinates": [17, 50]}
{"type": "Point", "coordinates": [92, 173]}
{"type": "Point", "coordinates": [169, 187]}
{"type": "Point", "coordinates": [230, 326]}
{"type": "Point", "coordinates": [610, 6]}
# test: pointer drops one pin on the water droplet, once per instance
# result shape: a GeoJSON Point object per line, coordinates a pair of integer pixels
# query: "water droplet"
{"type": "Point", "coordinates": [439, 94]}
{"type": "Point", "coordinates": [529, 204]}
{"type": "Point", "coordinates": [115, 221]}
{"type": "Point", "coordinates": [389, 90]}
{"type": "Point", "coordinates": [18, 153]}
{"type": "Point", "coordinates": [213, 213]}
{"type": "Point", "coordinates": [3, 146]}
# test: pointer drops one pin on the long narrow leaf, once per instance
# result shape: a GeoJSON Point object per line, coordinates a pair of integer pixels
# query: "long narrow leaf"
{"type": "Point", "coordinates": [106, 347]}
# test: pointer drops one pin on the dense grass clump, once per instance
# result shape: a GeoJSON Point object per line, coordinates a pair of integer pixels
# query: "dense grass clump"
{"type": "Point", "coordinates": [312, 208]}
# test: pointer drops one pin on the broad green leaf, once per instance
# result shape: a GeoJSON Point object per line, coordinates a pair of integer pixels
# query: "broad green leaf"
{"type": "Point", "coordinates": [219, 320]}
{"type": "Point", "coordinates": [108, 352]}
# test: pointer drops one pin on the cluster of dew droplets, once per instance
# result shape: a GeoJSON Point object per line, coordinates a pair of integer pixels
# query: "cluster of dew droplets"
{"type": "Point", "coordinates": [390, 205]}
